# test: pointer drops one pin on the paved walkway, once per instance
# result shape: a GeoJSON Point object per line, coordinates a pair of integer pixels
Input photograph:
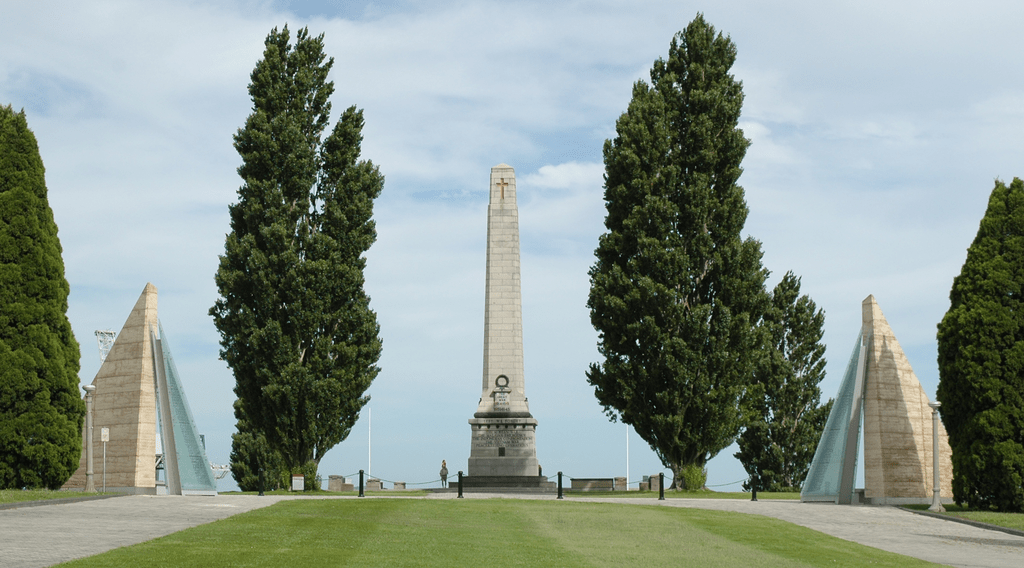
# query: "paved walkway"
{"type": "Point", "coordinates": [51, 534]}
{"type": "Point", "coordinates": [91, 527]}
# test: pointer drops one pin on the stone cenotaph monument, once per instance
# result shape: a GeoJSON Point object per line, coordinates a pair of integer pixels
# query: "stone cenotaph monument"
{"type": "Point", "coordinates": [504, 451]}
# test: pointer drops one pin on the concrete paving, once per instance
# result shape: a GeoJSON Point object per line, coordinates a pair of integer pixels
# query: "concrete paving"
{"type": "Point", "coordinates": [92, 527]}
{"type": "Point", "coordinates": [51, 534]}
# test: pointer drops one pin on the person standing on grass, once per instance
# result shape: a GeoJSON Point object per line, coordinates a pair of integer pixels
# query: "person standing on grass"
{"type": "Point", "coordinates": [444, 474]}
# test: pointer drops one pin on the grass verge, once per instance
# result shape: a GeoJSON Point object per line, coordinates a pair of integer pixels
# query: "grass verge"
{"type": "Point", "coordinates": [684, 494]}
{"type": "Point", "coordinates": [19, 495]}
{"type": "Point", "coordinates": [315, 494]}
{"type": "Point", "coordinates": [498, 532]}
{"type": "Point", "coordinates": [1008, 520]}
{"type": "Point", "coordinates": [631, 494]}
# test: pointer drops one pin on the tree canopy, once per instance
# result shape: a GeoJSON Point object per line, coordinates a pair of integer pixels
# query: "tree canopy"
{"type": "Point", "coordinates": [295, 323]}
{"type": "Point", "coordinates": [41, 410]}
{"type": "Point", "coordinates": [676, 292]}
{"type": "Point", "coordinates": [785, 417]}
{"type": "Point", "coordinates": [981, 360]}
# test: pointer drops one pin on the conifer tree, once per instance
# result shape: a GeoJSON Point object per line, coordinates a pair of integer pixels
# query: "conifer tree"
{"type": "Point", "coordinates": [251, 453]}
{"type": "Point", "coordinates": [296, 326]}
{"type": "Point", "coordinates": [676, 291]}
{"type": "Point", "coordinates": [41, 411]}
{"type": "Point", "coordinates": [785, 415]}
{"type": "Point", "coordinates": [981, 360]}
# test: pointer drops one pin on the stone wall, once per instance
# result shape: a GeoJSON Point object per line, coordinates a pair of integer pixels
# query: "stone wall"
{"type": "Point", "coordinates": [897, 422]}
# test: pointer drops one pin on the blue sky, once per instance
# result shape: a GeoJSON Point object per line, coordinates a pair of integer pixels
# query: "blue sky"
{"type": "Point", "coordinates": [877, 128]}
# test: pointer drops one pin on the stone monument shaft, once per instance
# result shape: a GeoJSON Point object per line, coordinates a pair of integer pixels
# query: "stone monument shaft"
{"type": "Point", "coordinates": [504, 441]}
{"type": "Point", "coordinates": [503, 305]}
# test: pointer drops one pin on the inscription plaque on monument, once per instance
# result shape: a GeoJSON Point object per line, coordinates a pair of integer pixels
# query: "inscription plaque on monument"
{"type": "Point", "coordinates": [500, 395]}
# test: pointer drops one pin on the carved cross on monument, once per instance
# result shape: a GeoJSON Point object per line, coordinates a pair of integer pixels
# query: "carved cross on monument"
{"type": "Point", "coordinates": [502, 184]}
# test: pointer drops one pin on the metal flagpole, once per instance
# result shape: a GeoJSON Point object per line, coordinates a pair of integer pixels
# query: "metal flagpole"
{"type": "Point", "coordinates": [627, 457]}
{"type": "Point", "coordinates": [369, 441]}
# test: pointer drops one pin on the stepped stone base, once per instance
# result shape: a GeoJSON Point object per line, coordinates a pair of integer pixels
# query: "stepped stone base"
{"type": "Point", "coordinates": [503, 445]}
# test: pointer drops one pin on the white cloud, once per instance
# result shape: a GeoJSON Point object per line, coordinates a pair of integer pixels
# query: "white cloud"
{"type": "Point", "coordinates": [764, 151]}
{"type": "Point", "coordinates": [566, 176]}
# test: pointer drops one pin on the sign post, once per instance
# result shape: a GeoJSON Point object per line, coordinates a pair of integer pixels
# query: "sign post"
{"type": "Point", "coordinates": [104, 437]}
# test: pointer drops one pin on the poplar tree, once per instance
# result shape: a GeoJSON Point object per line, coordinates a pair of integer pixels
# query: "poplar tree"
{"type": "Point", "coordinates": [785, 416]}
{"type": "Point", "coordinates": [981, 360]}
{"type": "Point", "coordinates": [250, 453]}
{"type": "Point", "coordinates": [676, 291]}
{"type": "Point", "coordinates": [295, 323]}
{"type": "Point", "coordinates": [41, 411]}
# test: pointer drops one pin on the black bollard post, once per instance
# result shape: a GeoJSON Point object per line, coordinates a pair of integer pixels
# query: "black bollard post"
{"type": "Point", "coordinates": [661, 486]}
{"type": "Point", "coordinates": [263, 481]}
{"type": "Point", "coordinates": [361, 483]}
{"type": "Point", "coordinates": [460, 485]}
{"type": "Point", "coordinates": [559, 485]}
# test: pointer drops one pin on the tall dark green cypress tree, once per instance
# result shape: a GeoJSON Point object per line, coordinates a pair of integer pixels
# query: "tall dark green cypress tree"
{"type": "Point", "coordinates": [785, 415]}
{"type": "Point", "coordinates": [981, 360]}
{"type": "Point", "coordinates": [676, 291]}
{"type": "Point", "coordinates": [296, 326]}
{"type": "Point", "coordinates": [41, 411]}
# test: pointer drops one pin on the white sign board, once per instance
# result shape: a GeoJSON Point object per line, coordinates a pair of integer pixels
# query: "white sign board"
{"type": "Point", "coordinates": [104, 434]}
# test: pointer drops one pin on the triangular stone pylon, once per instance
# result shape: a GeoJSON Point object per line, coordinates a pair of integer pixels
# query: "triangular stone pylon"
{"type": "Point", "coordinates": [898, 454]}
{"type": "Point", "coordinates": [125, 402]}
{"type": "Point", "coordinates": [881, 391]}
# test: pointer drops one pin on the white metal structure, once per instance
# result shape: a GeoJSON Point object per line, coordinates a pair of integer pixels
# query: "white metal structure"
{"type": "Point", "coordinates": [105, 339]}
{"type": "Point", "coordinates": [220, 471]}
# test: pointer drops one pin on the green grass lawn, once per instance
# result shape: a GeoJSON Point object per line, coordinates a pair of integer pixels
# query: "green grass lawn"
{"type": "Point", "coordinates": [315, 494]}
{"type": "Point", "coordinates": [684, 494]}
{"type": "Point", "coordinates": [1008, 520]}
{"type": "Point", "coordinates": [494, 532]}
{"type": "Point", "coordinates": [17, 495]}
{"type": "Point", "coordinates": [632, 494]}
